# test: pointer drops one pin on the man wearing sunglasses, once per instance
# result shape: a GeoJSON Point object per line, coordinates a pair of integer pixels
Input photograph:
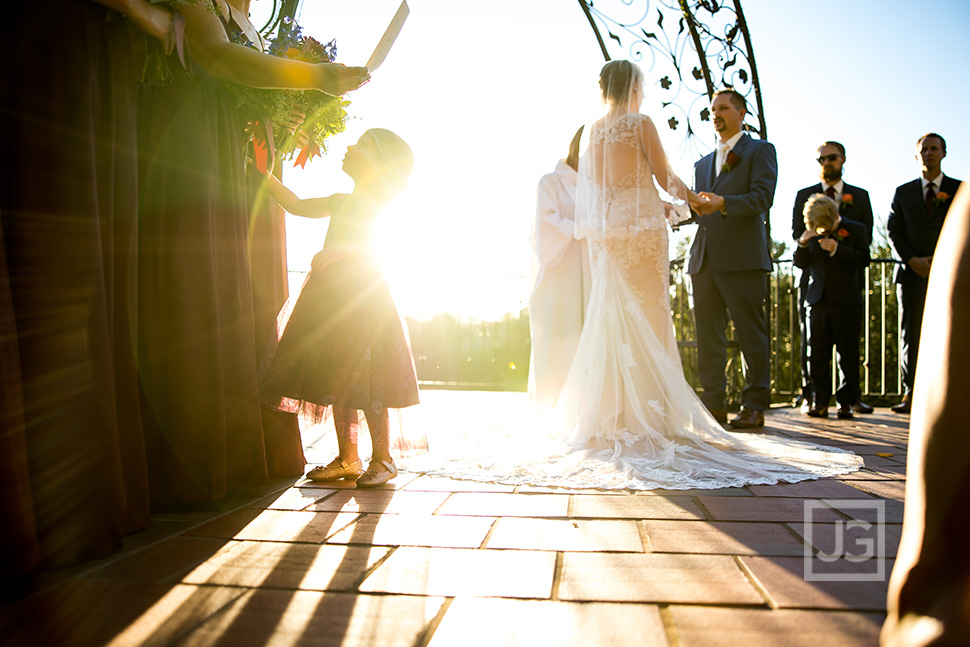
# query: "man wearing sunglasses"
{"type": "Point", "coordinates": [854, 205]}
{"type": "Point", "coordinates": [918, 210]}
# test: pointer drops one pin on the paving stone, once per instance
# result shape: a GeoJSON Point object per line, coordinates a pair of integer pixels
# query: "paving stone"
{"type": "Point", "coordinates": [784, 580]}
{"type": "Point", "coordinates": [566, 535]}
{"type": "Point", "coordinates": [727, 491]}
{"type": "Point", "coordinates": [401, 481]}
{"type": "Point", "coordinates": [506, 505]}
{"type": "Point", "coordinates": [275, 525]}
{"type": "Point", "coordinates": [636, 507]}
{"type": "Point", "coordinates": [762, 509]}
{"type": "Point", "coordinates": [722, 538]}
{"type": "Point", "coordinates": [307, 618]}
{"type": "Point", "coordinates": [895, 490]}
{"type": "Point", "coordinates": [818, 489]}
{"type": "Point", "coordinates": [293, 498]}
{"type": "Point", "coordinates": [199, 512]}
{"type": "Point", "coordinates": [457, 571]}
{"type": "Point", "coordinates": [827, 537]}
{"type": "Point", "coordinates": [378, 501]}
{"type": "Point", "coordinates": [86, 613]}
{"type": "Point", "coordinates": [880, 462]}
{"type": "Point", "coordinates": [496, 622]}
{"type": "Point", "coordinates": [868, 475]}
{"type": "Point", "coordinates": [342, 484]}
{"type": "Point", "coordinates": [264, 489]}
{"type": "Point", "coordinates": [541, 489]}
{"type": "Point", "coordinates": [162, 561]}
{"type": "Point", "coordinates": [716, 627]}
{"type": "Point", "coordinates": [427, 483]}
{"type": "Point", "coordinates": [893, 510]}
{"type": "Point", "coordinates": [623, 577]}
{"type": "Point", "coordinates": [416, 530]}
{"type": "Point", "coordinates": [898, 451]}
{"type": "Point", "coordinates": [289, 566]}
{"type": "Point", "coordinates": [894, 472]}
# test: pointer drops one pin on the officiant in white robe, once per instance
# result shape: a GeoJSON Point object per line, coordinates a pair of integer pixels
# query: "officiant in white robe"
{"type": "Point", "coordinates": [561, 282]}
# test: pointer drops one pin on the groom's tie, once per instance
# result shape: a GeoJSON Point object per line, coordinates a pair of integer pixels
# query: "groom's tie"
{"type": "Point", "coordinates": [722, 152]}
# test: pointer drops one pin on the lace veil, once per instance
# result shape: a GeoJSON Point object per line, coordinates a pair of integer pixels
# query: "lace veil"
{"type": "Point", "coordinates": [624, 174]}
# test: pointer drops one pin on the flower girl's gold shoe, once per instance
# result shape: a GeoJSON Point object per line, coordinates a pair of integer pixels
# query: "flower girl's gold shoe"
{"type": "Point", "coordinates": [336, 470]}
{"type": "Point", "coordinates": [378, 473]}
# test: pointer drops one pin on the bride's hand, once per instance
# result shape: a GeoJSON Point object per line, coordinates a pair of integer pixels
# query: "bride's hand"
{"type": "Point", "coordinates": [695, 201]}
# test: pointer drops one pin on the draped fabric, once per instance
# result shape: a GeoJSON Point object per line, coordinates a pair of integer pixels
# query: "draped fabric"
{"type": "Point", "coordinates": [197, 338]}
{"type": "Point", "coordinates": [267, 253]}
{"type": "Point", "coordinates": [560, 286]}
{"type": "Point", "coordinates": [73, 460]}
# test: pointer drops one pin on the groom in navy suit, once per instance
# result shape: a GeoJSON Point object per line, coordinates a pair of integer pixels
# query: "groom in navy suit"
{"type": "Point", "coordinates": [730, 260]}
{"type": "Point", "coordinates": [919, 208]}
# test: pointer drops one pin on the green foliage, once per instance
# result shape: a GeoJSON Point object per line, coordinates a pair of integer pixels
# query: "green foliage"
{"type": "Point", "coordinates": [451, 352]}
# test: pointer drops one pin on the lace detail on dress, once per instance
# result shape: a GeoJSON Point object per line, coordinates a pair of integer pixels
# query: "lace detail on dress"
{"type": "Point", "coordinates": [622, 131]}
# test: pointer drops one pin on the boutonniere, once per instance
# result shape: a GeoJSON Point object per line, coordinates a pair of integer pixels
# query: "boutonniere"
{"type": "Point", "coordinates": [847, 200]}
{"type": "Point", "coordinates": [730, 161]}
{"type": "Point", "coordinates": [841, 234]}
{"type": "Point", "coordinates": [941, 197]}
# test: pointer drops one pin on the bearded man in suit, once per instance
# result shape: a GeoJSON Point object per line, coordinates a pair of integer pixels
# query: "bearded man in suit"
{"type": "Point", "coordinates": [854, 204]}
{"type": "Point", "coordinates": [730, 260]}
{"type": "Point", "coordinates": [832, 250]}
{"type": "Point", "coordinates": [918, 211]}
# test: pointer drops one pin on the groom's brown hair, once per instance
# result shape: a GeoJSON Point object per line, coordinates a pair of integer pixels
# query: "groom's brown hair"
{"type": "Point", "coordinates": [736, 98]}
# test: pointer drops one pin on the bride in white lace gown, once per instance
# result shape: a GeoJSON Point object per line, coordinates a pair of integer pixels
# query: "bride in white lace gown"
{"type": "Point", "coordinates": [627, 418]}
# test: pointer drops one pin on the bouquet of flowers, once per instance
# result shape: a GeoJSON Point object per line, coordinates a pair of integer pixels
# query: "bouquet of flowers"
{"type": "Point", "coordinates": [273, 110]}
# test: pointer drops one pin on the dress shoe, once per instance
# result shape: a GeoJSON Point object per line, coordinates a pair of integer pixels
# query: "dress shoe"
{"type": "Point", "coordinates": [336, 470]}
{"type": "Point", "coordinates": [720, 415]}
{"type": "Point", "coordinates": [862, 407]}
{"type": "Point", "coordinates": [817, 412]}
{"type": "Point", "coordinates": [904, 406]}
{"type": "Point", "coordinates": [748, 419]}
{"type": "Point", "coordinates": [845, 411]}
{"type": "Point", "coordinates": [378, 473]}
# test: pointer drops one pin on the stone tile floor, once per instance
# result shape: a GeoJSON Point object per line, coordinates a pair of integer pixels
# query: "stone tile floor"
{"type": "Point", "coordinates": [430, 562]}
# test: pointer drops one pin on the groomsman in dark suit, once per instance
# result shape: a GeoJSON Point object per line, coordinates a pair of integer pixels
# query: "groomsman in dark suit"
{"type": "Point", "coordinates": [730, 260]}
{"type": "Point", "coordinates": [918, 210]}
{"type": "Point", "coordinates": [832, 250]}
{"type": "Point", "coordinates": [854, 205]}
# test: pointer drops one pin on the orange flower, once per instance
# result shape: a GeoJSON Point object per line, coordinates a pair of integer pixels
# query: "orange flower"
{"type": "Point", "coordinates": [847, 199]}
{"type": "Point", "coordinates": [941, 197]}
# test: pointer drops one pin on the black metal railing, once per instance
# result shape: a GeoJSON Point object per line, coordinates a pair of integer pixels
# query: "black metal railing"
{"type": "Point", "coordinates": [453, 351]}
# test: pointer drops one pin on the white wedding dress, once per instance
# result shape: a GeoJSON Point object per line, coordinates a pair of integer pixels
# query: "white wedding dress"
{"type": "Point", "coordinates": [627, 418]}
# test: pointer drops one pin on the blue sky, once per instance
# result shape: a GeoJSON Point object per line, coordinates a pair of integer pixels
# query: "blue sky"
{"type": "Point", "coordinates": [489, 94]}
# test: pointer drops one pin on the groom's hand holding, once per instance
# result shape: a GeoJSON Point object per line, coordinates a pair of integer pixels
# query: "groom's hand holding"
{"type": "Point", "coordinates": [712, 203]}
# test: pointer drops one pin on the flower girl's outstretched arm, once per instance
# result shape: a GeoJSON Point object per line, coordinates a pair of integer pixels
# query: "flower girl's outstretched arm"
{"type": "Point", "coordinates": [308, 208]}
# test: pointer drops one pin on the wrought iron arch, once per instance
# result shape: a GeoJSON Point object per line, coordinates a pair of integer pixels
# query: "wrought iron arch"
{"type": "Point", "coordinates": [281, 9]}
{"type": "Point", "coordinates": [710, 50]}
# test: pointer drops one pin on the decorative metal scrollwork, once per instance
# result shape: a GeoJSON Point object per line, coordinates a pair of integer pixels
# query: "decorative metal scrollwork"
{"type": "Point", "coordinates": [281, 9]}
{"type": "Point", "coordinates": [688, 49]}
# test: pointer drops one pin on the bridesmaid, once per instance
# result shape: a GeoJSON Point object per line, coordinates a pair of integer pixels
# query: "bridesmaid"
{"type": "Point", "coordinates": [197, 335]}
{"type": "Point", "coordinates": [73, 476]}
